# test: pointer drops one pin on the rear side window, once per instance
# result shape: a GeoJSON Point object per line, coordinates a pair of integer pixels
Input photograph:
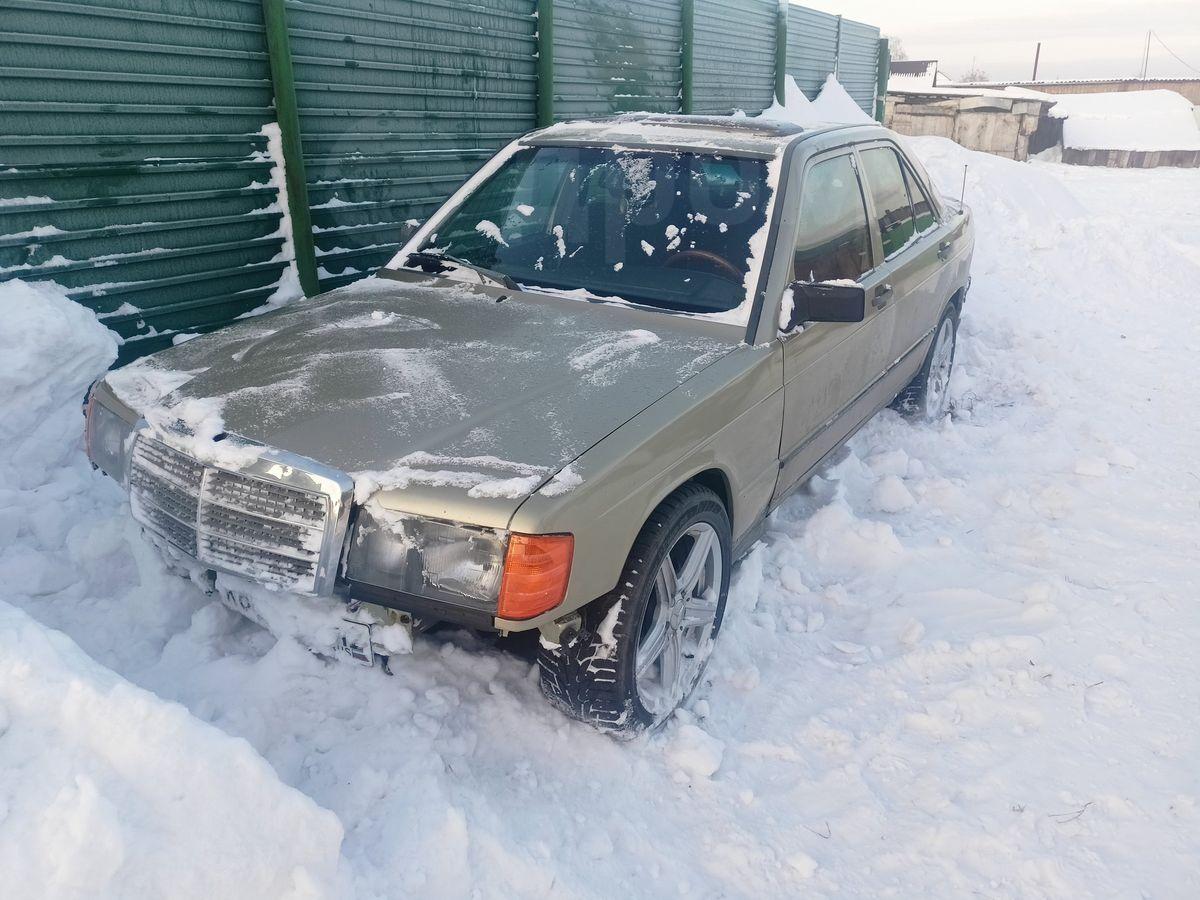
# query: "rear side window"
{"type": "Point", "coordinates": [885, 180]}
{"type": "Point", "coordinates": [834, 242]}
{"type": "Point", "coordinates": [925, 218]}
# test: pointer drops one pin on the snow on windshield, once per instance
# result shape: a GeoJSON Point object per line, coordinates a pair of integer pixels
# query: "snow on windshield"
{"type": "Point", "coordinates": [681, 231]}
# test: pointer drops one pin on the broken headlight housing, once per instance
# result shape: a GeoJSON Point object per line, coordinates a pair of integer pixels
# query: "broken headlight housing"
{"type": "Point", "coordinates": [107, 437]}
{"type": "Point", "coordinates": [457, 564]}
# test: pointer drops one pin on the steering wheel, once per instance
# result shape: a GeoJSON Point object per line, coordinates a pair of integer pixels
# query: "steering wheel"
{"type": "Point", "coordinates": [724, 267]}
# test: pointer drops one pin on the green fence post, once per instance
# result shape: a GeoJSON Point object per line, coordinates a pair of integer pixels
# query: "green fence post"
{"type": "Point", "coordinates": [881, 79]}
{"type": "Point", "coordinates": [545, 63]}
{"type": "Point", "coordinates": [837, 49]}
{"type": "Point", "coordinates": [279, 53]}
{"type": "Point", "coordinates": [781, 34]}
{"type": "Point", "coordinates": [688, 56]}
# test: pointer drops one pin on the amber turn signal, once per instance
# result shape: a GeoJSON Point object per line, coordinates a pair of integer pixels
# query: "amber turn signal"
{"type": "Point", "coordinates": [536, 569]}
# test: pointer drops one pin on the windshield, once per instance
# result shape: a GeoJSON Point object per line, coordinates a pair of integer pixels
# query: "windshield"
{"type": "Point", "coordinates": [671, 230]}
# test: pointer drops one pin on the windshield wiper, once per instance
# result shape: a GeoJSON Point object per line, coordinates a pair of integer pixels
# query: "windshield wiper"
{"type": "Point", "coordinates": [437, 261]}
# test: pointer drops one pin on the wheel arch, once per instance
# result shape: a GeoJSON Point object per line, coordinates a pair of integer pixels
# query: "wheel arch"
{"type": "Point", "coordinates": [958, 298]}
{"type": "Point", "coordinates": [716, 480]}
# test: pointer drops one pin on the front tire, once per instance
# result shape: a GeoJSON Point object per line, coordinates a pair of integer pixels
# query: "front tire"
{"type": "Point", "coordinates": [642, 648]}
{"type": "Point", "coordinates": [927, 396]}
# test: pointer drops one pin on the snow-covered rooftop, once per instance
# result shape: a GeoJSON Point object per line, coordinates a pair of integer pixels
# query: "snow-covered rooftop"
{"type": "Point", "coordinates": [1008, 93]}
{"type": "Point", "coordinates": [1127, 120]}
{"type": "Point", "coordinates": [1110, 79]}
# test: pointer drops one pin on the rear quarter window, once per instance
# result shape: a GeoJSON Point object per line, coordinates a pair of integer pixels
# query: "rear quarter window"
{"type": "Point", "coordinates": [924, 215]}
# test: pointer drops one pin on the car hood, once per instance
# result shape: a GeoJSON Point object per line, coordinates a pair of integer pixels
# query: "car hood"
{"type": "Point", "coordinates": [398, 372]}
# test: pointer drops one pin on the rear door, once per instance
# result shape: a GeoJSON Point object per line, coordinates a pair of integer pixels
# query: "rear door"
{"type": "Point", "coordinates": [906, 221]}
{"type": "Point", "coordinates": [943, 241]}
{"type": "Point", "coordinates": [827, 365]}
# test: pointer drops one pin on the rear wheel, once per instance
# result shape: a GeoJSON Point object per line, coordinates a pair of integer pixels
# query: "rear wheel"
{"type": "Point", "coordinates": [642, 648]}
{"type": "Point", "coordinates": [926, 397]}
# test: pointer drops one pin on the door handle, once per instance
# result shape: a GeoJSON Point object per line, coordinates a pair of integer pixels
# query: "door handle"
{"type": "Point", "coordinates": [944, 249]}
{"type": "Point", "coordinates": [883, 293]}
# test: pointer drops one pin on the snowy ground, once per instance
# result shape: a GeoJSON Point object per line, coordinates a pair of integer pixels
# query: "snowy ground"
{"type": "Point", "coordinates": [963, 664]}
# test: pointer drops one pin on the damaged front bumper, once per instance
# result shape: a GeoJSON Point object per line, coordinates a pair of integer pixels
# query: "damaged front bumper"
{"type": "Point", "coordinates": [363, 633]}
{"type": "Point", "coordinates": [366, 634]}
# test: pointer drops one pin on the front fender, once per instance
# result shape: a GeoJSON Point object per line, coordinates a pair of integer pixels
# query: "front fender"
{"type": "Point", "coordinates": [727, 418]}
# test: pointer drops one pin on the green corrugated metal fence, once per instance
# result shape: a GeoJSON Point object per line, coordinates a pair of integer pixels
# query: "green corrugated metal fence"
{"type": "Point", "coordinates": [812, 47]}
{"type": "Point", "coordinates": [820, 44]}
{"type": "Point", "coordinates": [858, 62]}
{"type": "Point", "coordinates": [735, 55]}
{"type": "Point", "coordinates": [131, 162]}
{"type": "Point", "coordinates": [615, 56]}
{"type": "Point", "coordinates": [134, 169]}
{"type": "Point", "coordinates": [399, 103]}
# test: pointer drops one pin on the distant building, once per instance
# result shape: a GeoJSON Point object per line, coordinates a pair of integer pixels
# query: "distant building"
{"type": "Point", "coordinates": [1010, 123]}
{"type": "Point", "coordinates": [1132, 124]}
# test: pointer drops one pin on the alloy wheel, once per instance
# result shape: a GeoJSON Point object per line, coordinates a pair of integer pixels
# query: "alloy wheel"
{"type": "Point", "coordinates": [677, 628]}
{"type": "Point", "coordinates": [940, 363]}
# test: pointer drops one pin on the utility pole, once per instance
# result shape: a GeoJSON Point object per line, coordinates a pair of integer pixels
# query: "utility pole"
{"type": "Point", "coordinates": [1037, 54]}
{"type": "Point", "coordinates": [1146, 58]}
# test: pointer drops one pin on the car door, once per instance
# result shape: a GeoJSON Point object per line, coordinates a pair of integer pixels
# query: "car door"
{"type": "Point", "coordinates": [828, 366]}
{"type": "Point", "coordinates": [941, 234]}
{"type": "Point", "coordinates": [906, 219]}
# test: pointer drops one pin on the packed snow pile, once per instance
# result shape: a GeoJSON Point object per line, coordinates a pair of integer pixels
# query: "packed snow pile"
{"type": "Point", "coordinates": [50, 350]}
{"type": "Point", "coordinates": [1028, 198]}
{"type": "Point", "coordinates": [1132, 120]}
{"type": "Point", "coordinates": [105, 789]}
{"type": "Point", "coordinates": [832, 106]}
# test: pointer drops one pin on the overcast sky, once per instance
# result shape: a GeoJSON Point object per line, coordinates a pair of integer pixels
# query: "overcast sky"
{"type": "Point", "coordinates": [1080, 38]}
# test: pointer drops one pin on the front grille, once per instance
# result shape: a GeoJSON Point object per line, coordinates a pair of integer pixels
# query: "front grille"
{"type": "Point", "coordinates": [266, 530]}
{"type": "Point", "coordinates": [262, 565]}
{"type": "Point", "coordinates": [265, 499]}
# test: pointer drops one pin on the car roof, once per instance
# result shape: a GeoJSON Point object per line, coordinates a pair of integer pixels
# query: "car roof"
{"type": "Point", "coordinates": [736, 135]}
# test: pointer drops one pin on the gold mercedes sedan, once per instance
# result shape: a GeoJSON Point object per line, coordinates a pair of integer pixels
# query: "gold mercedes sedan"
{"type": "Point", "coordinates": [569, 403]}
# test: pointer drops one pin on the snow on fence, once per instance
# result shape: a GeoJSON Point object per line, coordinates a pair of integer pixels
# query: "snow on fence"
{"type": "Point", "coordinates": [132, 142]}
{"type": "Point", "coordinates": [135, 162]}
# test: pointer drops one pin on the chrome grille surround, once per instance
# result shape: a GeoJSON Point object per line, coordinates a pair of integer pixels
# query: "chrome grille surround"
{"type": "Point", "coordinates": [280, 520]}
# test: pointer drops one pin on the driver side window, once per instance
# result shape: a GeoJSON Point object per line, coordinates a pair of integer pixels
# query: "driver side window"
{"type": "Point", "coordinates": [834, 242]}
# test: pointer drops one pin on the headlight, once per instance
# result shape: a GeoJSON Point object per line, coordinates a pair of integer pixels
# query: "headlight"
{"type": "Point", "coordinates": [428, 558]}
{"type": "Point", "coordinates": [107, 439]}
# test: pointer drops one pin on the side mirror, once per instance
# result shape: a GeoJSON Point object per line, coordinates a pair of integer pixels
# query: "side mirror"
{"type": "Point", "coordinates": [408, 229]}
{"type": "Point", "coordinates": [826, 301]}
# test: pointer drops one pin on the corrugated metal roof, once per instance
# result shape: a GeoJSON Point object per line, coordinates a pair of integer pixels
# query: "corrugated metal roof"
{"type": "Point", "coordinates": [913, 66]}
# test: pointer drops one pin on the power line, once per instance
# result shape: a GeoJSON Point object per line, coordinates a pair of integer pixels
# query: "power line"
{"type": "Point", "coordinates": [1173, 53]}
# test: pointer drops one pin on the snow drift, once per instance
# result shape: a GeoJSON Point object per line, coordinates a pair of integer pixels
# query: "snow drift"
{"type": "Point", "coordinates": [832, 106]}
{"type": "Point", "coordinates": [105, 789]}
{"type": "Point", "coordinates": [50, 350]}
